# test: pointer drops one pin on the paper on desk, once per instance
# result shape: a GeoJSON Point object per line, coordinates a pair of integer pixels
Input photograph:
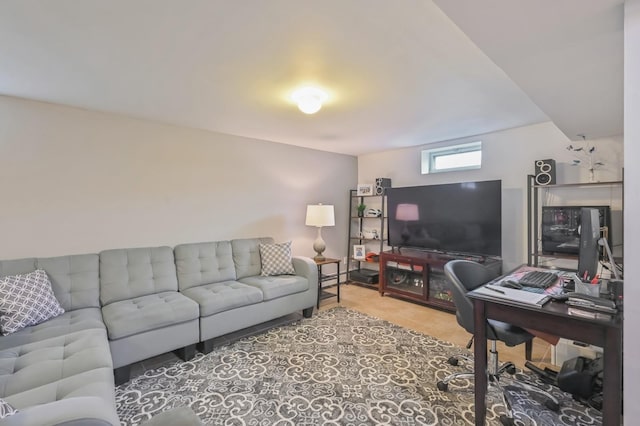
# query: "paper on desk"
{"type": "Point", "coordinates": [513, 295]}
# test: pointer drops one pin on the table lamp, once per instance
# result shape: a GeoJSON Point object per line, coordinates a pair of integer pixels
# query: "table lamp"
{"type": "Point", "coordinates": [319, 215]}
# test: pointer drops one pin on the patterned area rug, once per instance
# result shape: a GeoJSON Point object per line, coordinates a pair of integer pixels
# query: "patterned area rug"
{"type": "Point", "coordinates": [340, 367]}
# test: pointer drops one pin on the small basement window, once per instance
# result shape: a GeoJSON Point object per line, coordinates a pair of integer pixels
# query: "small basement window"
{"type": "Point", "coordinates": [466, 156]}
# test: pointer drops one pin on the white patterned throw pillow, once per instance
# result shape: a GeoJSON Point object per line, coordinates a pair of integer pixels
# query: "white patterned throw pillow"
{"type": "Point", "coordinates": [276, 259]}
{"type": "Point", "coordinates": [25, 300]}
{"type": "Point", "coordinates": [6, 409]}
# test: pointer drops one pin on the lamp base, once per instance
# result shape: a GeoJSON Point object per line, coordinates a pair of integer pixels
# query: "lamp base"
{"type": "Point", "coordinates": [319, 246]}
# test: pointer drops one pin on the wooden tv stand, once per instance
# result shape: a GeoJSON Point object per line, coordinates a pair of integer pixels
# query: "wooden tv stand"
{"type": "Point", "coordinates": [418, 275]}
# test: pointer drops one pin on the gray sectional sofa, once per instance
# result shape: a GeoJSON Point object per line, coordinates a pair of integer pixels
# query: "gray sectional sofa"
{"type": "Point", "coordinates": [123, 306]}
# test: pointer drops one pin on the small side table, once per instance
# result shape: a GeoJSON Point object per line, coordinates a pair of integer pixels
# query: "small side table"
{"type": "Point", "coordinates": [326, 277]}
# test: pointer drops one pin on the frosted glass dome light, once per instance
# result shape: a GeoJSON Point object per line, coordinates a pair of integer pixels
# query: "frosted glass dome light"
{"type": "Point", "coordinates": [309, 99]}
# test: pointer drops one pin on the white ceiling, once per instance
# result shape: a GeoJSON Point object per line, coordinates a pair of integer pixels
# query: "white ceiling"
{"type": "Point", "coordinates": [567, 55]}
{"type": "Point", "coordinates": [399, 73]}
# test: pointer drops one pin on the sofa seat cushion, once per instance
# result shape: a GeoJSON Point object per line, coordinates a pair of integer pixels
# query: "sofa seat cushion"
{"type": "Point", "coordinates": [41, 363]}
{"type": "Point", "coordinates": [85, 396]}
{"type": "Point", "coordinates": [141, 314]}
{"type": "Point", "coordinates": [275, 287]}
{"type": "Point", "coordinates": [220, 297]}
{"type": "Point", "coordinates": [69, 322]}
{"type": "Point", "coordinates": [76, 410]}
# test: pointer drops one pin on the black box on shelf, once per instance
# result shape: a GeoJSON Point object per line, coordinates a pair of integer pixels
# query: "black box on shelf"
{"type": "Point", "coordinates": [368, 276]}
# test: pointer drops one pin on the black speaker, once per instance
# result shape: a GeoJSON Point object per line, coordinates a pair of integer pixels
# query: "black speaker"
{"type": "Point", "coordinates": [381, 184]}
{"type": "Point", "coordinates": [545, 172]}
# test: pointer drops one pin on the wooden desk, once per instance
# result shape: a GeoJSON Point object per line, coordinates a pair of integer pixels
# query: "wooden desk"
{"type": "Point", "coordinates": [325, 277]}
{"type": "Point", "coordinates": [551, 318]}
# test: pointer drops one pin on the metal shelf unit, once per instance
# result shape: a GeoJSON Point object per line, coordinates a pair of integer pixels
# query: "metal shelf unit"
{"type": "Point", "coordinates": [534, 204]}
{"type": "Point", "coordinates": [360, 224]}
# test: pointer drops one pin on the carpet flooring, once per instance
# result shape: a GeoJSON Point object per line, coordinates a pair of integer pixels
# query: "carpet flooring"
{"type": "Point", "coordinates": [340, 367]}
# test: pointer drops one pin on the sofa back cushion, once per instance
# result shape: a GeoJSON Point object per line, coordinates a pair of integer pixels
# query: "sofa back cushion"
{"type": "Point", "coordinates": [17, 266]}
{"type": "Point", "coordinates": [135, 272]}
{"type": "Point", "coordinates": [74, 279]}
{"type": "Point", "coordinates": [246, 255]}
{"type": "Point", "coordinates": [204, 263]}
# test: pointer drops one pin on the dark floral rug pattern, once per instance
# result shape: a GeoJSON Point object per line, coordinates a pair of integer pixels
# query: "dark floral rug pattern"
{"type": "Point", "coordinates": [340, 367]}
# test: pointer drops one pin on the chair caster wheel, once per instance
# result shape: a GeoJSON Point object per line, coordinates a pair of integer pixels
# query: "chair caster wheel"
{"type": "Point", "coordinates": [552, 405]}
{"type": "Point", "coordinates": [511, 369]}
{"type": "Point", "coordinates": [442, 386]}
{"type": "Point", "coordinates": [506, 421]}
{"type": "Point", "coordinates": [453, 361]}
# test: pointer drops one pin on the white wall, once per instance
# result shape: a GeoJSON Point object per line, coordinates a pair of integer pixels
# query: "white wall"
{"type": "Point", "coordinates": [509, 155]}
{"type": "Point", "coordinates": [76, 181]}
{"type": "Point", "coordinates": [631, 352]}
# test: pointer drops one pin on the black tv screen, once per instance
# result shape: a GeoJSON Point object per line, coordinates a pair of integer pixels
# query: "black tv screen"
{"type": "Point", "coordinates": [457, 217]}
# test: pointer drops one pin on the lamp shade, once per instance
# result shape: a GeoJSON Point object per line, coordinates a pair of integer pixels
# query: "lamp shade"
{"type": "Point", "coordinates": [407, 212]}
{"type": "Point", "coordinates": [320, 215]}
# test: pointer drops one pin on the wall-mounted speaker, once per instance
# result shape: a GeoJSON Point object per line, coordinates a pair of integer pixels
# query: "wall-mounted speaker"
{"type": "Point", "coordinates": [381, 184]}
{"type": "Point", "coordinates": [545, 172]}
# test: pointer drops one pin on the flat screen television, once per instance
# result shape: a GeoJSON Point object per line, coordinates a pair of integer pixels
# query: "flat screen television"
{"type": "Point", "coordinates": [454, 218]}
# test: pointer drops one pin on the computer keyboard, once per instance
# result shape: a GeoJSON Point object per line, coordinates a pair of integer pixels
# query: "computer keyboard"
{"type": "Point", "coordinates": [538, 279]}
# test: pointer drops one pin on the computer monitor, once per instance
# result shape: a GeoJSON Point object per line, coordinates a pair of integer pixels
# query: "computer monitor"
{"type": "Point", "coordinates": [589, 256]}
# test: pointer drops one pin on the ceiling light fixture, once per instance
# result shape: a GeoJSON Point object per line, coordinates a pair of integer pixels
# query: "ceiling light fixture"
{"type": "Point", "coordinates": [309, 99]}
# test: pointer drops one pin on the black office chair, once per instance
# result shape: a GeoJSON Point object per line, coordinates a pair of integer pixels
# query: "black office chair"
{"type": "Point", "coordinates": [464, 276]}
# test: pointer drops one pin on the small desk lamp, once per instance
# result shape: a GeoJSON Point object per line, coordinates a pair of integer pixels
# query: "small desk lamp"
{"type": "Point", "coordinates": [406, 213]}
{"type": "Point", "coordinates": [319, 215]}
